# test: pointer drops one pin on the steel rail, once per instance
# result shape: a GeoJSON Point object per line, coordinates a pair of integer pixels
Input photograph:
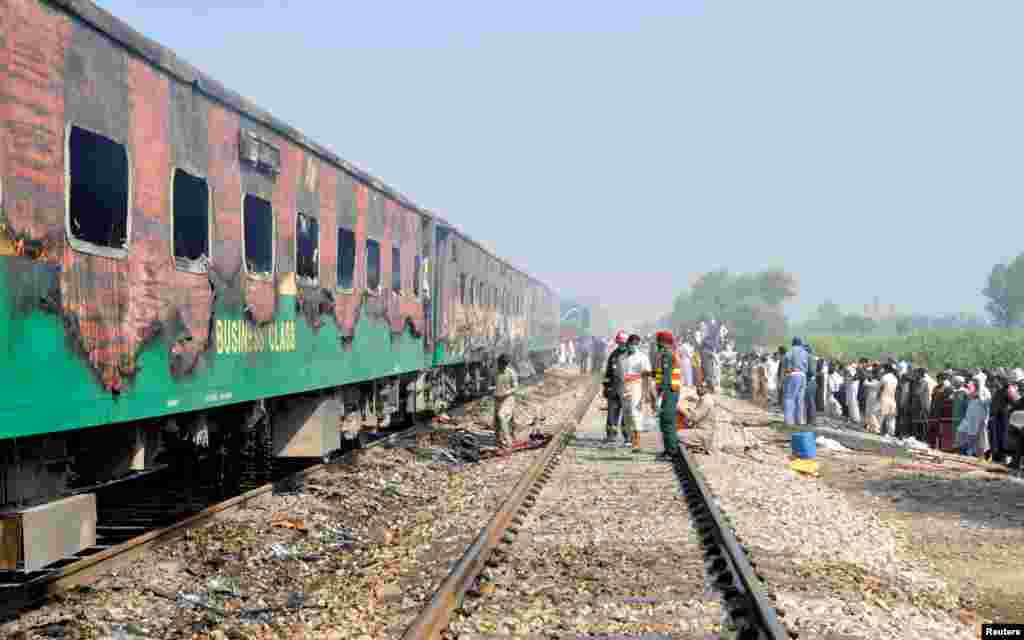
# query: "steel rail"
{"type": "Point", "coordinates": [434, 618]}
{"type": "Point", "coordinates": [88, 568]}
{"type": "Point", "coordinates": [738, 582]}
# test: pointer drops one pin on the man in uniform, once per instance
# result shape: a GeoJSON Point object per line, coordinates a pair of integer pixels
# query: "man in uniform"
{"type": "Point", "coordinates": [635, 368]}
{"type": "Point", "coordinates": [614, 389]}
{"type": "Point", "coordinates": [506, 384]}
{"type": "Point", "coordinates": [667, 374]}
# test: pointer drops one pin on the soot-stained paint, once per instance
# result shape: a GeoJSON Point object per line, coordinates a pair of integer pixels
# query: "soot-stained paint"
{"type": "Point", "coordinates": [61, 72]}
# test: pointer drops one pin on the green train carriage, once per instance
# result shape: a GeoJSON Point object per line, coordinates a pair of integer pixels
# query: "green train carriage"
{"type": "Point", "coordinates": [178, 263]}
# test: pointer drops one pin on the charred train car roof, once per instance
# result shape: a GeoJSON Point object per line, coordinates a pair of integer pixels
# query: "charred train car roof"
{"type": "Point", "coordinates": [167, 61]}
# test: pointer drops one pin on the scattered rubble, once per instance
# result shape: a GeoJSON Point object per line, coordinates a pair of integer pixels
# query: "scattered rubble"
{"type": "Point", "coordinates": [346, 554]}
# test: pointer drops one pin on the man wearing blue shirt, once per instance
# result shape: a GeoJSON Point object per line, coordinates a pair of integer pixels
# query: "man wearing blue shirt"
{"type": "Point", "coordinates": [794, 366]}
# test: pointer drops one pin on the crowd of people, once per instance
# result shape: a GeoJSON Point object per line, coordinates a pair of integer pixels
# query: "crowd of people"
{"type": "Point", "coordinates": [967, 410]}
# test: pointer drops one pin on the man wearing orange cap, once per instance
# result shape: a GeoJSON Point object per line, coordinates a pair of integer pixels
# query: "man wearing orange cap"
{"type": "Point", "coordinates": [667, 378]}
{"type": "Point", "coordinates": [615, 388]}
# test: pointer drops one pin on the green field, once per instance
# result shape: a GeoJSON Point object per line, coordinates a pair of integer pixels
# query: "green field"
{"type": "Point", "coordinates": [932, 349]}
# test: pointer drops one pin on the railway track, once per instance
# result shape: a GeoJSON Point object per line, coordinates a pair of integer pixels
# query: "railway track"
{"type": "Point", "coordinates": [602, 543]}
{"type": "Point", "coordinates": [136, 517]}
{"type": "Point", "coordinates": [146, 510]}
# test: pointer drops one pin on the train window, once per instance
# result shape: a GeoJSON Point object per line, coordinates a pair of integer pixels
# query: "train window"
{"type": "Point", "coordinates": [462, 289]}
{"type": "Point", "coordinates": [417, 266]}
{"type": "Point", "coordinates": [98, 193]}
{"type": "Point", "coordinates": [191, 221]}
{"type": "Point", "coordinates": [346, 258]}
{"type": "Point", "coordinates": [258, 216]}
{"type": "Point", "coordinates": [372, 265]}
{"type": "Point", "coordinates": [307, 248]}
{"type": "Point", "coordinates": [396, 270]}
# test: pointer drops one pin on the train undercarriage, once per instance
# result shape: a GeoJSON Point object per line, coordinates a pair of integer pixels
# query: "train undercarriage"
{"type": "Point", "coordinates": [236, 445]}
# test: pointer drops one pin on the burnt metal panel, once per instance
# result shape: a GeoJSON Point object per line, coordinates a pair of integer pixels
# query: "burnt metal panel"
{"type": "Point", "coordinates": [167, 61]}
{"type": "Point", "coordinates": [307, 198]}
{"type": "Point", "coordinates": [254, 181]}
{"type": "Point", "coordinates": [96, 94]}
{"type": "Point", "coordinates": [376, 216]}
{"type": "Point", "coordinates": [348, 213]}
{"type": "Point", "coordinates": [189, 134]}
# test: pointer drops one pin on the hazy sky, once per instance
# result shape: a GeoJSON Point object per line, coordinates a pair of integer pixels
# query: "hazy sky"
{"type": "Point", "coordinates": [616, 148]}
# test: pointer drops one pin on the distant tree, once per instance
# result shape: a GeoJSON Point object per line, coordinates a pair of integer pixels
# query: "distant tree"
{"type": "Point", "coordinates": [997, 291]}
{"type": "Point", "coordinates": [903, 325]}
{"type": "Point", "coordinates": [749, 304]}
{"type": "Point", "coordinates": [829, 316]}
{"type": "Point", "coordinates": [1005, 292]}
{"type": "Point", "coordinates": [857, 324]}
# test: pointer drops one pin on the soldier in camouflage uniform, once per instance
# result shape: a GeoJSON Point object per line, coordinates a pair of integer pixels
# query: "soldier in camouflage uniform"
{"type": "Point", "coordinates": [505, 387]}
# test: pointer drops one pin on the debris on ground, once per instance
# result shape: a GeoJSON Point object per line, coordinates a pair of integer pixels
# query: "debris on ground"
{"type": "Point", "coordinates": [352, 551]}
{"type": "Point", "coordinates": [830, 444]}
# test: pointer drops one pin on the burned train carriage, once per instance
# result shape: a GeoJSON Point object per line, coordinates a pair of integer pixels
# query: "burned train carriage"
{"type": "Point", "coordinates": [179, 266]}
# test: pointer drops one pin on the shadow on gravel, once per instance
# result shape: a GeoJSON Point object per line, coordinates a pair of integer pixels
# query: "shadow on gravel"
{"type": "Point", "coordinates": [976, 501]}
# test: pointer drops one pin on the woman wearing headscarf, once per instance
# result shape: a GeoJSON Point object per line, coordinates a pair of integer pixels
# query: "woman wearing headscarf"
{"type": "Point", "coordinates": [973, 422]}
{"type": "Point", "coordinates": [852, 392]}
{"type": "Point", "coordinates": [872, 404]}
{"type": "Point", "coordinates": [985, 397]}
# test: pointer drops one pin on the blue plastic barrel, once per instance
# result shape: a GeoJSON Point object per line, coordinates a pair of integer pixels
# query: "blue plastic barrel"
{"type": "Point", "coordinates": [804, 445]}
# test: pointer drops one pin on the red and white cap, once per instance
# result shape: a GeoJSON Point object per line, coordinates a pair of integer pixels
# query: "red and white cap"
{"type": "Point", "coordinates": [621, 337]}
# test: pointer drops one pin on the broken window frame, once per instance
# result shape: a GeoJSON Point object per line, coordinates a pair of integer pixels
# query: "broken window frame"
{"type": "Point", "coordinates": [84, 246]}
{"type": "Point", "coordinates": [260, 275]}
{"type": "Point", "coordinates": [380, 276]}
{"type": "Point", "coordinates": [339, 265]}
{"type": "Point", "coordinates": [396, 270]}
{"type": "Point", "coordinates": [187, 264]}
{"type": "Point", "coordinates": [306, 280]}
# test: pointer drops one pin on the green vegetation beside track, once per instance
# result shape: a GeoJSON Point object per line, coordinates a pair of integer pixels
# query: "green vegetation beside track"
{"type": "Point", "coordinates": [932, 349]}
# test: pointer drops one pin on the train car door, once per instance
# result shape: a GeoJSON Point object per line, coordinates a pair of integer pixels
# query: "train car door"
{"type": "Point", "coordinates": [439, 270]}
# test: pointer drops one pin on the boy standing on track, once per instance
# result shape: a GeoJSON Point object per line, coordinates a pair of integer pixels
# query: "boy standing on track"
{"type": "Point", "coordinates": [505, 386]}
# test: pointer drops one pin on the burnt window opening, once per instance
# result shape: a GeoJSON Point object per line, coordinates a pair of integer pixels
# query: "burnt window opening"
{"type": "Point", "coordinates": [191, 217]}
{"type": "Point", "coordinates": [462, 289]}
{"type": "Point", "coordinates": [417, 266]}
{"type": "Point", "coordinates": [372, 264]}
{"type": "Point", "coordinates": [472, 292]}
{"type": "Point", "coordinates": [307, 248]}
{"type": "Point", "coordinates": [346, 258]}
{"type": "Point", "coordinates": [98, 207]}
{"type": "Point", "coordinates": [259, 235]}
{"type": "Point", "coordinates": [480, 293]}
{"type": "Point", "coordinates": [396, 270]}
